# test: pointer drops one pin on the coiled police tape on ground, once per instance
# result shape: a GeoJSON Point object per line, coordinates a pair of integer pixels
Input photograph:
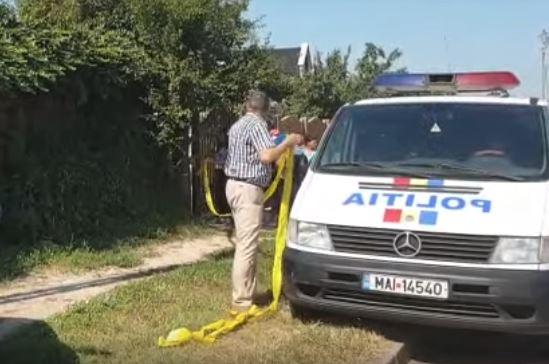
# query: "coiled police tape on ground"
{"type": "Point", "coordinates": [209, 333]}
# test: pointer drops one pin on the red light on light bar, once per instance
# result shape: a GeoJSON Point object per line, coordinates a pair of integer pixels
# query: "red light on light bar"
{"type": "Point", "coordinates": [486, 81]}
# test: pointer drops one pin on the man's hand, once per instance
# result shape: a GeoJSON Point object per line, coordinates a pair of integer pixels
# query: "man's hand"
{"type": "Point", "coordinates": [269, 156]}
{"type": "Point", "coordinates": [294, 139]}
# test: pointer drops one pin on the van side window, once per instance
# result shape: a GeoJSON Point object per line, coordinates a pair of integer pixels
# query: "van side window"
{"type": "Point", "coordinates": [336, 150]}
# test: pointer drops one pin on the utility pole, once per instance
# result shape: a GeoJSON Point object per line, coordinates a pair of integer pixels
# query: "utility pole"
{"type": "Point", "coordinates": [544, 38]}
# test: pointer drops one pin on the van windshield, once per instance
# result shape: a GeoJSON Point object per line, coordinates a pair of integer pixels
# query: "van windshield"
{"type": "Point", "coordinates": [460, 140]}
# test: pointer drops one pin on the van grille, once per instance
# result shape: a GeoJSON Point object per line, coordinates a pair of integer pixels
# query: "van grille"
{"type": "Point", "coordinates": [453, 308]}
{"type": "Point", "coordinates": [435, 246]}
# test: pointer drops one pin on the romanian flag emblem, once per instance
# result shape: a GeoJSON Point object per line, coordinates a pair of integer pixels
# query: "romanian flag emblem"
{"type": "Point", "coordinates": [398, 216]}
{"type": "Point", "coordinates": [422, 217]}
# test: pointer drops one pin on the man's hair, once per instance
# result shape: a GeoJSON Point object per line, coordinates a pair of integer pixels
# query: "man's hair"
{"type": "Point", "coordinates": [257, 101]}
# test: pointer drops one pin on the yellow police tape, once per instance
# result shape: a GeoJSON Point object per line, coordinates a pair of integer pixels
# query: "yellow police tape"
{"type": "Point", "coordinates": [206, 179]}
{"type": "Point", "coordinates": [207, 190]}
{"type": "Point", "coordinates": [209, 333]}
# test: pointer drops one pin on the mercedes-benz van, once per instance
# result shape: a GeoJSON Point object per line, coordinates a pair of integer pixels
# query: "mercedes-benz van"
{"type": "Point", "coordinates": [428, 209]}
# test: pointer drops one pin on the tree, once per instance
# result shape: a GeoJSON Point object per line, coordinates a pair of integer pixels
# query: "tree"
{"type": "Point", "coordinates": [66, 13]}
{"type": "Point", "coordinates": [34, 58]}
{"type": "Point", "coordinates": [323, 92]}
{"type": "Point", "coordinates": [202, 53]}
{"type": "Point", "coordinates": [7, 15]}
{"type": "Point", "coordinates": [76, 156]}
{"type": "Point", "coordinates": [374, 61]}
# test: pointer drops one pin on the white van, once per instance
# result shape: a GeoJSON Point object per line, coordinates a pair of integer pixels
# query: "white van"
{"type": "Point", "coordinates": [428, 209]}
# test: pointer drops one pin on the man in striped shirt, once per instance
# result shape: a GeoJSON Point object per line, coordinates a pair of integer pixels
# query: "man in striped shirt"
{"type": "Point", "coordinates": [248, 168]}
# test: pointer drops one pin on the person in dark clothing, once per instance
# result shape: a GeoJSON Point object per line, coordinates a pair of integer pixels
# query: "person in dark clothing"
{"type": "Point", "coordinates": [219, 180]}
{"type": "Point", "coordinates": [272, 206]}
{"type": "Point", "coordinates": [309, 150]}
{"type": "Point", "coordinates": [301, 165]}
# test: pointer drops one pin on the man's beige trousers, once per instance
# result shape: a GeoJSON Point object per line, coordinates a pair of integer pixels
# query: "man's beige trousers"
{"type": "Point", "coordinates": [246, 202]}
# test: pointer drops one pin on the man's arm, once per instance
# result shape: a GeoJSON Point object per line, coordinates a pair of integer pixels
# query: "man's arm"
{"type": "Point", "coordinates": [271, 155]}
{"type": "Point", "coordinates": [268, 152]}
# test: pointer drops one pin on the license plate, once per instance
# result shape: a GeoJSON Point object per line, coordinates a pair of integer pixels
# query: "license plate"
{"type": "Point", "coordinates": [409, 286]}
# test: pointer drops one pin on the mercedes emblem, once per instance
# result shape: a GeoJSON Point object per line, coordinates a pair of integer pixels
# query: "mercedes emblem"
{"type": "Point", "coordinates": [407, 244]}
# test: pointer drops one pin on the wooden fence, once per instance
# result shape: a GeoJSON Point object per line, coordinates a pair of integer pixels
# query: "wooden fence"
{"type": "Point", "coordinates": [312, 127]}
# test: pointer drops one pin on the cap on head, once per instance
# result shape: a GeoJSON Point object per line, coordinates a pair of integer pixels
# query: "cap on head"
{"type": "Point", "coordinates": [257, 101]}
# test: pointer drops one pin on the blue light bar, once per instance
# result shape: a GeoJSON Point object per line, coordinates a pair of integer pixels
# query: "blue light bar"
{"type": "Point", "coordinates": [401, 82]}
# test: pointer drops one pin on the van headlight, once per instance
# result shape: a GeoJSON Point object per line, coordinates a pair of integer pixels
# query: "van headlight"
{"type": "Point", "coordinates": [309, 235]}
{"type": "Point", "coordinates": [517, 251]}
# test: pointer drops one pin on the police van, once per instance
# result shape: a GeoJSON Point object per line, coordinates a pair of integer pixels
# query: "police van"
{"type": "Point", "coordinates": [429, 208]}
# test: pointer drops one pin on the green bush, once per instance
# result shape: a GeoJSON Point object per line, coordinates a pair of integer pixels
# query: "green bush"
{"type": "Point", "coordinates": [79, 160]}
{"type": "Point", "coordinates": [87, 173]}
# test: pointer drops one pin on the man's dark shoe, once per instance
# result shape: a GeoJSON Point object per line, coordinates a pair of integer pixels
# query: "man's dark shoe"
{"type": "Point", "coordinates": [263, 299]}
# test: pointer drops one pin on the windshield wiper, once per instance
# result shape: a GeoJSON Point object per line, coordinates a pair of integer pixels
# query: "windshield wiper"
{"type": "Point", "coordinates": [377, 167]}
{"type": "Point", "coordinates": [465, 169]}
{"type": "Point", "coordinates": [353, 164]}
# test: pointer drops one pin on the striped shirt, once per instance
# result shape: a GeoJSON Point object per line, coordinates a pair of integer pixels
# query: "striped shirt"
{"type": "Point", "coordinates": [247, 138]}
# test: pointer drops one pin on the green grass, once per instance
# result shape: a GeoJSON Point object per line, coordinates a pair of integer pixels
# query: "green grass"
{"type": "Point", "coordinates": [16, 261]}
{"type": "Point", "coordinates": [123, 327]}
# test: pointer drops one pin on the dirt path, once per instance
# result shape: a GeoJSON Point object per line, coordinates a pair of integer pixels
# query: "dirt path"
{"type": "Point", "coordinates": [39, 296]}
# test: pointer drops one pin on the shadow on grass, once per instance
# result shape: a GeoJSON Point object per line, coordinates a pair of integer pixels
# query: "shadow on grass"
{"type": "Point", "coordinates": [223, 254]}
{"type": "Point", "coordinates": [33, 341]}
{"type": "Point", "coordinates": [449, 346]}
